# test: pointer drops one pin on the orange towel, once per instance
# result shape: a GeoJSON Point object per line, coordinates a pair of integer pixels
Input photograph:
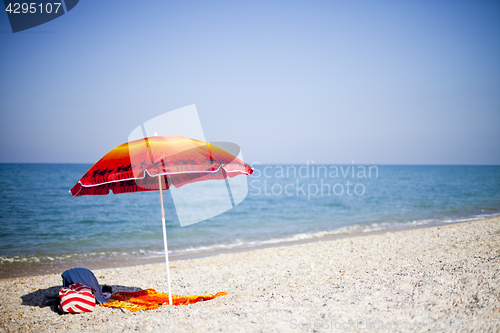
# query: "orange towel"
{"type": "Point", "coordinates": [150, 299]}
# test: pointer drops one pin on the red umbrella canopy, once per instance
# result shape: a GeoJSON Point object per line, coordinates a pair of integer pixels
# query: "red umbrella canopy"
{"type": "Point", "coordinates": [134, 166]}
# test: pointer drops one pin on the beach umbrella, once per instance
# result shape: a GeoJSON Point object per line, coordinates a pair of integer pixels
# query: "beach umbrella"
{"type": "Point", "coordinates": [158, 163]}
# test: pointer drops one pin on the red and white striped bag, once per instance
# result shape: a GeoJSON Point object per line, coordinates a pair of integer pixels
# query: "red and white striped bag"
{"type": "Point", "coordinates": [77, 298]}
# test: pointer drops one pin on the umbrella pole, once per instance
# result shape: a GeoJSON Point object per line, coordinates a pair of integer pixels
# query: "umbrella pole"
{"type": "Point", "coordinates": [165, 240]}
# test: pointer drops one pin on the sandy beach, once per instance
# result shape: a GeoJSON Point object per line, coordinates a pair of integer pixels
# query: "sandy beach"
{"type": "Point", "coordinates": [442, 278]}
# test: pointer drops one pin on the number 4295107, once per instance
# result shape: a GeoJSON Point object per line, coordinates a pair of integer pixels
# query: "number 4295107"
{"type": "Point", "coordinates": [18, 8]}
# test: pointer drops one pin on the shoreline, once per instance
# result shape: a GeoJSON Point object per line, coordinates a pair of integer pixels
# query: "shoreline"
{"type": "Point", "coordinates": [40, 269]}
{"type": "Point", "coordinates": [410, 280]}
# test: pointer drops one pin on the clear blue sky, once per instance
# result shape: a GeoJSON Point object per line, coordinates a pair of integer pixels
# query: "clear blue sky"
{"type": "Point", "coordinates": [376, 82]}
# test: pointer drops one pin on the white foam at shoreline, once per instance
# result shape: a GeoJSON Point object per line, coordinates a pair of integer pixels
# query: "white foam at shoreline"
{"type": "Point", "coordinates": [357, 228]}
{"type": "Point", "coordinates": [237, 243]}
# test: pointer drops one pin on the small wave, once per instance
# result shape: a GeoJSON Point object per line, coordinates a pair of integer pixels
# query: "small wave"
{"type": "Point", "coordinates": [72, 257]}
{"type": "Point", "coordinates": [473, 218]}
{"type": "Point", "coordinates": [206, 248]}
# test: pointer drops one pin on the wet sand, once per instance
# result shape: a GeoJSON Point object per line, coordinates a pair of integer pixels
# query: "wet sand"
{"type": "Point", "coordinates": [433, 278]}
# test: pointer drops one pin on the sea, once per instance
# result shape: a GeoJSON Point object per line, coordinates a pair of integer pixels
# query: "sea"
{"type": "Point", "coordinates": [40, 222]}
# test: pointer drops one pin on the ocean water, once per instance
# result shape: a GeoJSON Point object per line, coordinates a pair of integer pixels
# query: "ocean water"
{"type": "Point", "coordinates": [40, 222]}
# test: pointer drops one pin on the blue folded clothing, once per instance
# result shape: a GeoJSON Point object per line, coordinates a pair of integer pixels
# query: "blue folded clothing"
{"type": "Point", "coordinates": [85, 277]}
